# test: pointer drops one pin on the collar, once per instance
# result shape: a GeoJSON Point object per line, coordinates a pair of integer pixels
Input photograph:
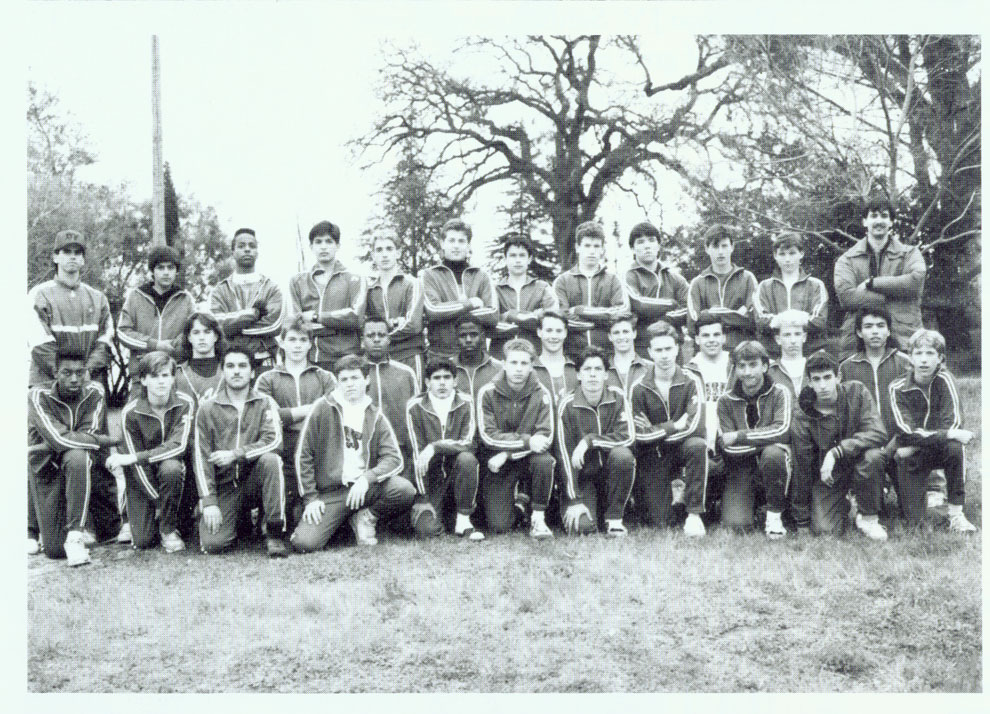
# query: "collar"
{"type": "Point", "coordinates": [738, 393]}
{"type": "Point", "coordinates": [860, 356]}
{"type": "Point", "coordinates": [636, 360]}
{"type": "Point", "coordinates": [504, 283]}
{"type": "Point", "coordinates": [458, 401]}
{"type": "Point", "coordinates": [222, 396]}
{"type": "Point", "coordinates": [335, 267]}
{"type": "Point", "coordinates": [576, 270]}
{"type": "Point", "coordinates": [778, 275]}
{"type": "Point", "coordinates": [457, 362]}
{"type": "Point", "coordinates": [282, 369]}
{"type": "Point", "coordinates": [862, 247]}
{"type": "Point", "coordinates": [144, 406]}
{"type": "Point", "coordinates": [245, 278]}
{"type": "Point", "coordinates": [529, 386]}
{"type": "Point", "coordinates": [709, 271]}
{"type": "Point", "coordinates": [650, 378]}
{"type": "Point", "coordinates": [376, 280]}
{"type": "Point", "coordinates": [538, 363]}
{"type": "Point", "coordinates": [86, 393]}
{"type": "Point", "coordinates": [608, 397]}
{"type": "Point", "coordinates": [338, 397]}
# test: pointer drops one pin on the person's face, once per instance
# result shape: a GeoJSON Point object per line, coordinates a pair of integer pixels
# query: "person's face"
{"type": "Point", "coordinates": [622, 336]}
{"type": "Point", "coordinates": [237, 371]}
{"type": "Point", "coordinates": [353, 384]}
{"type": "Point", "coordinates": [646, 249]}
{"type": "Point", "coordinates": [375, 340]}
{"type": "Point", "coordinates": [518, 365]}
{"type": "Point", "coordinates": [720, 254]}
{"type": "Point", "coordinates": [750, 373]}
{"type": "Point", "coordinates": [296, 345]}
{"type": "Point", "coordinates": [441, 384]}
{"type": "Point", "coordinates": [70, 376]}
{"type": "Point", "coordinates": [159, 384]}
{"type": "Point", "coordinates": [164, 275]}
{"type": "Point", "coordinates": [384, 254]}
{"type": "Point", "coordinates": [791, 340]}
{"type": "Point", "coordinates": [517, 260]}
{"type": "Point", "coordinates": [469, 338]}
{"type": "Point", "coordinates": [455, 245]}
{"type": "Point", "coordinates": [711, 340]}
{"type": "Point", "coordinates": [825, 385]}
{"type": "Point", "coordinates": [552, 333]}
{"type": "Point", "coordinates": [70, 259]}
{"type": "Point", "coordinates": [591, 376]}
{"type": "Point", "coordinates": [874, 331]}
{"type": "Point", "coordinates": [925, 360]}
{"type": "Point", "coordinates": [663, 352]}
{"type": "Point", "coordinates": [245, 251]}
{"type": "Point", "coordinates": [202, 339]}
{"type": "Point", "coordinates": [788, 259]}
{"type": "Point", "coordinates": [589, 251]}
{"type": "Point", "coordinates": [877, 224]}
{"type": "Point", "coordinates": [324, 249]}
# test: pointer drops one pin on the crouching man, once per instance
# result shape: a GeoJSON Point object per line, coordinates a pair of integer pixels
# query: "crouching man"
{"type": "Point", "coordinates": [836, 435]}
{"type": "Point", "coordinates": [348, 463]}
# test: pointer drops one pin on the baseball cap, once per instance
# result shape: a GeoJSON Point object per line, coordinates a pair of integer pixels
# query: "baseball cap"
{"type": "Point", "coordinates": [69, 237]}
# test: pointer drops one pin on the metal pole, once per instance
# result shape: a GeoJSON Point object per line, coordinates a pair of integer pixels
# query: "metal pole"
{"type": "Point", "coordinates": [158, 178]}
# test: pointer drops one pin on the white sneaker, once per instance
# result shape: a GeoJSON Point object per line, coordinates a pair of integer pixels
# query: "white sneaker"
{"type": "Point", "coordinates": [88, 537]}
{"type": "Point", "coordinates": [694, 527]}
{"type": "Point", "coordinates": [539, 530]}
{"type": "Point", "coordinates": [676, 491]}
{"type": "Point", "coordinates": [33, 546]}
{"type": "Point", "coordinates": [870, 526]}
{"type": "Point", "coordinates": [76, 552]}
{"type": "Point", "coordinates": [125, 534]}
{"type": "Point", "coordinates": [615, 529]}
{"type": "Point", "coordinates": [363, 524]}
{"type": "Point", "coordinates": [958, 523]}
{"type": "Point", "coordinates": [774, 527]}
{"type": "Point", "coordinates": [172, 542]}
{"type": "Point", "coordinates": [936, 499]}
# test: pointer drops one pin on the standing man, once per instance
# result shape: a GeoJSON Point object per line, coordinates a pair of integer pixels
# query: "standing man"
{"type": "Point", "coordinates": [880, 271]}
{"type": "Point", "coordinates": [248, 305]}
{"type": "Point", "coordinates": [589, 295]}
{"type": "Point", "coordinates": [453, 289]}
{"type": "Point", "coordinates": [554, 369]}
{"type": "Point", "coordinates": [522, 299]}
{"type": "Point", "coordinates": [626, 365]}
{"type": "Point", "coordinates": [475, 367]}
{"type": "Point", "coordinates": [397, 298]}
{"type": "Point", "coordinates": [655, 291]}
{"type": "Point", "coordinates": [726, 290]}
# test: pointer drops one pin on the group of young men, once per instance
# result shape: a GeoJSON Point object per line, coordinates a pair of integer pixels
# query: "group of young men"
{"type": "Point", "coordinates": [407, 399]}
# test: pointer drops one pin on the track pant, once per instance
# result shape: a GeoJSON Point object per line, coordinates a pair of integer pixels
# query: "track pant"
{"type": "Point", "coordinates": [769, 467]}
{"type": "Point", "coordinates": [262, 480]}
{"type": "Point", "coordinates": [293, 503]}
{"type": "Point", "coordinates": [498, 489]}
{"type": "Point", "coordinates": [864, 476]}
{"type": "Point", "coordinates": [657, 466]}
{"type": "Point", "coordinates": [606, 474]}
{"type": "Point", "coordinates": [168, 479]}
{"type": "Point", "coordinates": [33, 530]}
{"type": "Point", "coordinates": [455, 475]}
{"type": "Point", "coordinates": [386, 499]}
{"type": "Point", "coordinates": [62, 494]}
{"type": "Point", "coordinates": [913, 475]}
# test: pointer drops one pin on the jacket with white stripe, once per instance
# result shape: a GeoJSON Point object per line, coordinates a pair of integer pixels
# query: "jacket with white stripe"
{"type": "Point", "coordinates": [808, 294]}
{"type": "Point", "coordinates": [189, 381]}
{"type": "Point", "coordinates": [773, 424]}
{"type": "Point", "coordinates": [653, 296]}
{"type": "Point", "coordinates": [290, 391]}
{"type": "Point", "coordinates": [60, 426]}
{"type": "Point", "coordinates": [448, 439]}
{"type": "Point", "coordinates": [739, 290]}
{"type": "Point", "coordinates": [445, 300]}
{"type": "Point", "coordinates": [140, 325]}
{"type": "Point", "coordinates": [152, 438]}
{"type": "Point", "coordinates": [637, 368]}
{"type": "Point", "coordinates": [589, 305]}
{"type": "Point", "coordinates": [391, 384]}
{"type": "Point", "coordinates": [508, 418]}
{"type": "Point", "coordinates": [520, 312]}
{"type": "Point", "coordinates": [401, 298]}
{"type": "Point", "coordinates": [602, 427]}
{"type": "Point", "coordinates": [344, 291]}
{"type": "Point", "coordinates": [686, 396]}
{"type": "Point", "coordinates": [923, 416]}
{"type": "Point", "coordinates": [231, 304]}
{"type": "Point", "coordinates": [320, 454]}
{"type": "Point", "coordinates": [249, 432]}
{"type": "Point", "coordinates": [893, 364]}
{"type": "Point", "coordinates": [471, 378]}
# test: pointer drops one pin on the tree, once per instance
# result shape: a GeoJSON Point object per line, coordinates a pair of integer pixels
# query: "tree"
{"type": "Point", "coordinates": [523, 217]}
{"type": "Point", "coordinates": [550, 113]}
{"type": "Point", "coordinates": [171, 209]}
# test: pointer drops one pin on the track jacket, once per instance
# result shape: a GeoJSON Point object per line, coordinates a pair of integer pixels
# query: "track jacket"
{"type": "Point", "coordinates": [190, 382]}
{"type": "Point", "coordinates": [154, 439]}
{"type": "Point", "coordinates": [857, 368]}
{"type": "Point", "coordinates": [507, 419]}
{"type": "Point", "coordinates": [220, 426]}
{"type": "Point", "coordinates": [424, 428]}
{"type": "Point", "coordinates": [532, 299]}
{"type": "Point", "coordinates": [602, 427]}
{"type": "Point", "coordinates": [140, 324]}
{"type": "Point", "coordinates": [739, 290]}
{"type": "Point", "coordinates": [320, 454]}
{"type": "Point", "coordinates": [61, 427]}
{"type": "Point", "coordinates": [773, 424]}
{"type": "Point", "coordinates": [444, 301]}
{"type": "Point", "coordinates": [807, 294]}
{"type": "Point", "coordinates": [778, 374]}
{"type": "Point", "coordinates": [570, 379]}
{"type": "Point", "coordinates": [401, 298]}
{"type": "Point", "coordinates": [655, 296]}
{"type": "Point", "coordinates": [231, 304]}
{"type": "Point", "coordinates": [391, 385]}
{"type": "Point", "coordinates": [289, 392]}
{"type": "Point", "coordinates": [471, 379]}
{"type": "Point", "coordinates": [686, 396]}
{"type": "Point", "coordinates": [923, 416]}
{"type": "Point", "coordinates": [576, 293]}
{"type": "Point", "coordinates": [637, 369]}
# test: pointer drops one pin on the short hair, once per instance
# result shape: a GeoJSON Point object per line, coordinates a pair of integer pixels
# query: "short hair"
{"type": "Point", "coordinates": [456, 224]}
{"type": "Point", "coordinates": [714, 235]}
{"type": "Point", "coordinates": [163, 254]}
{"type": "Point", "coordinates": [923, 337]}
{"type": "Point", "coordinates": [296, 324]}
{"type": "Point", "coordinates": [520, 345]}
{"type": "Point", "coordinates": [789, 318]}
{"type": "Point", "coordinates": [591, 352]}
{"type": "Point", "coordinates": [643, 229]}
{"type": "Point", "coordinates": [69, 354]}
{"type": "Point", "coordinates": [325, 228]}
{"type": "Point", "coordinates": [242, 232]}
{"type": "Point", "coordinates": [553, 314]}
{"type": "Point", "coordinates": [390, 237]}
{"type": "Point", "coordinates": [374, 319]}
{"type": "Point", "coordinates": [437, 364]}
{"type": "Point", "coordinates": [589, 229]}
{"type": "Point", "coordinates": [706, 317]}
{"type": "Point", "coordinates": [351, 362]}
{"type": "Point", "coordinates": [152, 362]}
{"type": "Point", "coordinates": [469, 319]}
{"type": "Point", "coordinates": [788, 239]}
{"type": "Point", "coordinates": [623, 317]}
{"type": "Point", "coordinates": [521, 241]}
{"type": "Point", "coordinates": [821, 361]}
{"type": "Point", "coordinates": [662, 328]}
{"type": "Point", "coordinates": [234, 349]}
{"type": "Point", "coordinates": [750, 350]}
{"type": "Point", "coordinates": [878, 203]}
{"type": "Point", "coordinates": [208, 321]}
{"type": "Point", "coordinates": [872, 311]}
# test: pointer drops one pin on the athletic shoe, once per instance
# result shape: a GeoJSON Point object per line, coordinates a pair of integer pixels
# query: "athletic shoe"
{"type": "Point", "coordinates": [936, 499]}
{"type": "Point", "coordinates": [363, 524]}
{"type": "Point", "coordinates": [76, 552]}
{"type": "Point", "coordinates": [33, 546]}
{"type": "Point", "coordinates": [88, 538]}
{"type": "Point", "coordinates": [615, 529]}
{"type": "Point", "coordinates": [693, 526]}
{"type": "Point", "coordinates": [958, 523]}
{"type": "Point", "coordinates": [276, 548]}
{"type": "Point", "coordinates": [470, 534]}
{"type": "Point", "coordinates": [520, 507]}
{"type": "Point", "coordinates": [172, 542]}
{"type": "Point", "coordinates": [539, 530]}
{"type": "Point", "coordinates": [426, 523]}
{"type": "Point", "coordinates": [125, 534]}
{"type": "Point", "coordinates": [676, 491]}
{"type": "Point", "coordinates": [870, 526]}
{"type": "Point", "coordinates": [774, 528]}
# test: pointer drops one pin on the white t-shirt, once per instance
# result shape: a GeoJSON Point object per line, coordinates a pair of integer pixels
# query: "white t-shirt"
{"type": "Point", "coordinates": [795, 370]}
{"type": "Point", "coordinates": [353, 417]}
{"type": "Point", "coordinates": [442, 407]}
{"type": "Point", "coordinates": [715, 375]}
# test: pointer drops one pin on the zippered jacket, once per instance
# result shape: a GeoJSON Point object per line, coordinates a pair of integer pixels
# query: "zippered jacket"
{"type": "Point", "coordinates": [449, 439]}
{"type": "Point", "coordinates": [470, 379]}
{"type": "Point", "coordinates": [153, 439]}
{"type": "Point", "coordinates": [637, 369]}
{"type": "Point", "coordinates": [519, 312]}
{"type": "Point", "coordinates": [391, 385]}
{"type": "Point", "coordinates": [686, 396]}
{"type": "Point", "coordinates": [602, 293]}
{"type": "Point", "coordinates": [570, 379]}
{"type": "Point", "coordinates": [807, 294]}
{"type": "Point", "coordinates": [508, 419]}
{"type": "Point", "coordinates": [289, 392]}
{"type": "Point", "coordinates": [923, 417]}
{"type": "Point", "coordinates": [778, 374]}
{"type": "Point", "coordinates": [320, 454]}
{"type": "Point", "coordinates": [655, 296]}
{"type": "Point", "coordinates": [140, 325]}
{"type": "Point", "coordinates": [738, 291]}
{"type": "Point", "coordinates": [190, 382]}
{"type": "Point", "coordinates": [606, 426]}
{"type": "Point", "coordinates": [250, 432]}
{"type": "Point", "coordinates": [402, 297]}
{"type": "Point", "coordinates": [773, 425]}
{"type": "Point", "coordinates": [857, 368]}
{"type": "Point", "coordinates": [231, 304]}
{"type": "Point", "coordinates": [60, 426]}
{"type": "Point", "coordinates": [444, 301]}
{"type": "Point", "coordinates": [852, 429]}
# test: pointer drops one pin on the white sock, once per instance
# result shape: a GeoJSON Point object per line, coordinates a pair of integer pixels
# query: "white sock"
{"type": "Point", "coordinates": [773, 517]}
{"type": "Point", "coordinates": [613, 522]}
{"type": "Point", "coordinates": [955, 509]}
{"type": "Point", "coordinates": [538, 517]}
{"type": "Point", "coordinates": [463, 523]}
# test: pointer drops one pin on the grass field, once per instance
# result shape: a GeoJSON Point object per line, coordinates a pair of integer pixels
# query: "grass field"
{"type": "Point", "coordinates": [655, 612]}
